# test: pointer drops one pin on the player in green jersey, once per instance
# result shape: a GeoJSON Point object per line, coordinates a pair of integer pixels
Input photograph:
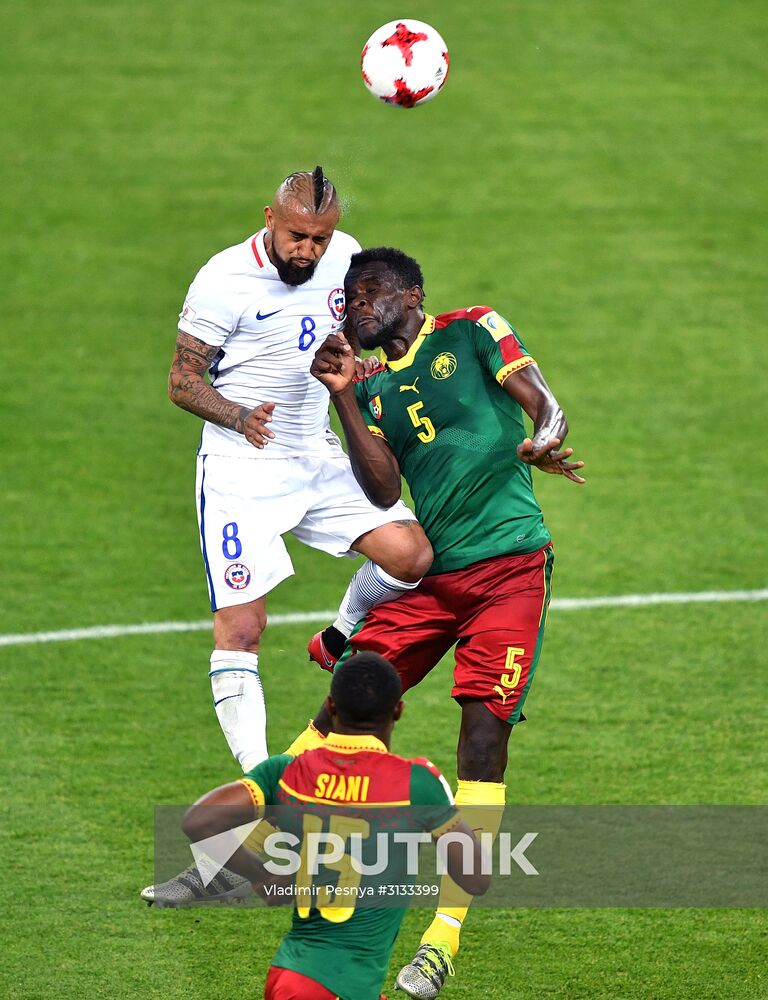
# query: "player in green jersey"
{"type": "Point", "coordinates": [337, 951]}
{"type": "Point", "coordinates": [445, 409]}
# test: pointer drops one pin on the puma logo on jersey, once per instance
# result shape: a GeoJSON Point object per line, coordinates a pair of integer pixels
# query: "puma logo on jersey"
{"type": "Point", "coordinates": [405, 388]}
{"type": "Point", "coordinates": [267, 315]}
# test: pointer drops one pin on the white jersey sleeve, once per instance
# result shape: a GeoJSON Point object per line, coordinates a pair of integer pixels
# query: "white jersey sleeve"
{"type": "Point", "coordinates": [208, 308]}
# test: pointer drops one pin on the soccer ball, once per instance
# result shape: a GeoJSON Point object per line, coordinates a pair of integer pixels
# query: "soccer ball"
{"type": "Point", "coordinates": [405, 62]}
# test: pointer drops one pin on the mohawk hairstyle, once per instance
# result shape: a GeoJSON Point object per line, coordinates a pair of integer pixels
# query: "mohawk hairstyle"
{"type": "Point", "coordinates": [312, 191]}
{"type": "Point", "coordinates": [365, 689]}
{"type": "Point", "coordinates": [404, 268]}
{"type": "Point", "coordinates": [318, 179]}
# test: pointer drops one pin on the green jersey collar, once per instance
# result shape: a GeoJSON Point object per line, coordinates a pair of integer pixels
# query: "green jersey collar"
{"type": "Point", "coordinates": [407, 360]}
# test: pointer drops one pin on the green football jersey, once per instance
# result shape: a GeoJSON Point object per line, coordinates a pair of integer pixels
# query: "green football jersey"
{"type": "Point", "coordinates": [454, 431]}
{"type": "Point", "coordinates": [334, 788]}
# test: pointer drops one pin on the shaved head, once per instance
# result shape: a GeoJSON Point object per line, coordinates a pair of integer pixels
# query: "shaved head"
{"type": "Point", "coordinates": [308, 193]}
{"type": "Point", "coordinates": [301, 220]}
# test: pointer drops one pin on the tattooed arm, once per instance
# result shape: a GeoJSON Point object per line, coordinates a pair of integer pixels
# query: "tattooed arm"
{"type": "Point", "coordinates": [188, 389]}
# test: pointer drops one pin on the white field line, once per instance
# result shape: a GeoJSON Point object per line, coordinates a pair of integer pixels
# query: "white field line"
{"type": "Point", "coordinates": [558, 604]}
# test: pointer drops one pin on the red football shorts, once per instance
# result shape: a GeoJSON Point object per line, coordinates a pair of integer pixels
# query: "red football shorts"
{"type": "Point", "coordinates": [285, 984]}
{"type": "Point", "coordinates": [493, 611]}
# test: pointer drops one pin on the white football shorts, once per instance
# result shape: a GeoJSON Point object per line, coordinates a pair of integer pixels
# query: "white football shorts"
{"type": "Point", "coordinates": [245, 505]}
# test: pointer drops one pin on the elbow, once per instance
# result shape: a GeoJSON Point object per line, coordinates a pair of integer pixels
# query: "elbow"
{"type": "Point", "coordinates": [192, 823]}
{"type": "Point", "coordinates": [381, 492]}
{"type": "Point", "coordinates": [384, 498]}
{"type": "Point", "coordinates": [200, 821]}
{"type": "Point", "coordinates": [179, 391]}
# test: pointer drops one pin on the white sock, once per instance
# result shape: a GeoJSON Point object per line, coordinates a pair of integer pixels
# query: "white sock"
{"type": "Point", "coordinates": [368, 587]}
{"type": "Point", "coordinates": [238, 698]}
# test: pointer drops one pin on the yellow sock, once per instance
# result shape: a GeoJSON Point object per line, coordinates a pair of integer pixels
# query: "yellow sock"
{"type": "Point", "coordinates": [481, 805]}
{"type": "Point", "coordinates": [310, 739]}
{"type": "Point", "coordinates": [255, 840]}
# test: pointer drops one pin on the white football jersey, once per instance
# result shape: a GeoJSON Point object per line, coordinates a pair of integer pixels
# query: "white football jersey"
{"type": "Point", "coordinates": [267, 333]}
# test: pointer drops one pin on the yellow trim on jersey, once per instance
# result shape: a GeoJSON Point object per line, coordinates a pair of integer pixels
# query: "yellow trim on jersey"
{"type": "Point", "coordinates": [515, 366]}
{"type": "Point", "coordinates": [324, 802]}
{"type": "Point", "coordinates": [349, 743]}
{"type": "Point", "coordinates": [255, 791]}
{"type": "Point", "coordinates": [376, 432]}
{"type": "Point", "coordinates": [406, 361]}
{"type": "Point", "coordinates": [445, 827]}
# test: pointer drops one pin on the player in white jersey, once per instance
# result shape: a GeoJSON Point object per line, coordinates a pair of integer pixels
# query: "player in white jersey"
{"type": "Point", "coordinates": [268, 462]}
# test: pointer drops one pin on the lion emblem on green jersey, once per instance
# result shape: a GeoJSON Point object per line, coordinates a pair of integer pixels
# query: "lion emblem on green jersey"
{"type": "Point", "coordinates": [443, 366]}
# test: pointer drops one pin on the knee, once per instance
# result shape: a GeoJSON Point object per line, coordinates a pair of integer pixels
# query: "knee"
{"type": "Point", "coordinates": [482, 756]}
{"type": "Point", "coordinates": [422, 559]}
{"type": "Point", "coordinates": [411, 559]}
{"type": "Point", "coordinates": [239, 631]}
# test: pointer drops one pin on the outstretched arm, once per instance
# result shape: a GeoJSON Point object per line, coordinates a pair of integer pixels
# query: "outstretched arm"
{"type": "Point", "coordinates": [223, 809]}
{"type": "Point", "coordinates": [188, 389]}
{"type": "Point", "coordinates": [374, 465]}
{"type": "Point", "coordinates": [550, 427]}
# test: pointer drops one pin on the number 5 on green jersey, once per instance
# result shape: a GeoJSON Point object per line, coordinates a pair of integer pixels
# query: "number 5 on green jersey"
{"type": "Point", "coordinates": [428, 434]}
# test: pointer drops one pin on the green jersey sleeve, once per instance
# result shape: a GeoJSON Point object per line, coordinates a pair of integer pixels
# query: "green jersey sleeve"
{"type": "Point", "coordinates": [498, 346]}
{"type": "Point", "coordinates": [369, 404]}
{"type": "Point", "coordinates": [431, 796]}
{"type": "Point", "coordinates": [263, 780]}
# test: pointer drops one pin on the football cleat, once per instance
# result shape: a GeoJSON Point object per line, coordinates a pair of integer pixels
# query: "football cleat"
{"type": "Point", "coordinates": [425, 975]}
{"type": "Point", "coordinates": [318, 652]}
{"type": "Point", "coordinates": [187, 889]}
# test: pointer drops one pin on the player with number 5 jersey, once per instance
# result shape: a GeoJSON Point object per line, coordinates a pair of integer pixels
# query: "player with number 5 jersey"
{"type": "Point", "coordinates": [445, 410]}
{"type": "Point", "coordinates": [268, 462]}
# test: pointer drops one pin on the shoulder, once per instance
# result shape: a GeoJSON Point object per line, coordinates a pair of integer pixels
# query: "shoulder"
{"type": "Point", "coordinates": [269, 770]}
{"type": "Point", "coordinates": [426, 764]}
{"type": "Point", "coordinates": [339, 251]}
{"type": "Point", "coordinates": [428, 783]}
{"type": "Point", "coordinates": [343, 243]}
{"type": "Point", "coordinates": [228, 264]}
{"type": "Point", "coordinates": [471, 314]}
{"type": "Point", "coordinates": [489, 326]}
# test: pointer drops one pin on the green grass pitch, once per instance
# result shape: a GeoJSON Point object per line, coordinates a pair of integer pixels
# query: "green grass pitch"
{"type": "Point", "coordinates": [595, 171]}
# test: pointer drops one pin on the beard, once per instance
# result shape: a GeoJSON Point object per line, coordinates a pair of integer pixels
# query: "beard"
{"type": "Point", "coordinates": [292, 274]}
{"type": "Point", "coordinates": [381, 335]}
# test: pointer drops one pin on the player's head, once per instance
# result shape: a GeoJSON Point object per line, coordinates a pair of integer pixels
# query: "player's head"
{"type": "Point", "coordinates": [301, 219]}
{"type": "Point", "coordinates": [365, 695]}
{"type": "Point", "coordinates": [384, 289]}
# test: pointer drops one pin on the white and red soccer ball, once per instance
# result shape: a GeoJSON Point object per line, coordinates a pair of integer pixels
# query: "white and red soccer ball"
{"type": "Point", "coordinates": [405, 62]}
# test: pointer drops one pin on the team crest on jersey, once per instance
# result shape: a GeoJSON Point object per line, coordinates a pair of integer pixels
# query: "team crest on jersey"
{"type": "Point", "coordinates": [336, 303]}
{"type": "Point", "coordinates": [375, 405]}
{"type": "Point", "coordinates": [496, 325]}
{"type": "Point", "coordinates": [237, 576]}
{"type": "Point", "coordinates": [443, 366]}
